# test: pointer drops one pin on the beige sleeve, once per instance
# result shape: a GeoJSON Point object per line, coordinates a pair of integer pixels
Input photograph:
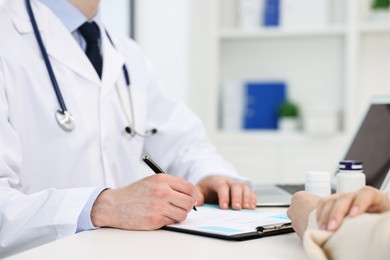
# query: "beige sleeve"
{"type": "Point", "coordinates": [363, 237]}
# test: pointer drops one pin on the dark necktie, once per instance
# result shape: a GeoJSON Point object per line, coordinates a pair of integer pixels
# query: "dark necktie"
{"type": "Point", "coordinates": [91, 34]}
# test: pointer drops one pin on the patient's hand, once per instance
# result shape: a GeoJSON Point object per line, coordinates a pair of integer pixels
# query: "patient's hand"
{"type": "Point", "coordinates": [302, 204]}
{"type": "Point", "coordinates": [333, 209]}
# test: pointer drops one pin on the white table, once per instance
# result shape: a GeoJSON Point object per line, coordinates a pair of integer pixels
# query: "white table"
{"type": "Point", "coordinates": [162, 244]}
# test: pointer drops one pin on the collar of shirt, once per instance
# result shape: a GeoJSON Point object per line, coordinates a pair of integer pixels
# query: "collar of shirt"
{"type": "Point", "coordinates": [72, 18]}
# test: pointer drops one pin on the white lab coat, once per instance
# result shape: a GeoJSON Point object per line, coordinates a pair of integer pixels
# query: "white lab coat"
{"type": "Point", "coordinates": [47, 174]}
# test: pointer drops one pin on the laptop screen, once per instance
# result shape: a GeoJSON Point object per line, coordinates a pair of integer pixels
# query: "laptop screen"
{"type": "Point", "coordinates": [372, 144]}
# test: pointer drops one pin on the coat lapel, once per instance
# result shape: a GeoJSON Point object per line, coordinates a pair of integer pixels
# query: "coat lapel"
{"type": "Point", "coordinates": [113, 62]}
{"type": "Point", "coordinates": [62, 46]}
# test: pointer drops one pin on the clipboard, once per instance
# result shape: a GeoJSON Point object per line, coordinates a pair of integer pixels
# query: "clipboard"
{"type": "Point", "coordinates": [234, 225]}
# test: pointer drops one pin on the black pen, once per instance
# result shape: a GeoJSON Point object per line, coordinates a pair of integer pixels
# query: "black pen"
{"type": "Point", "coordinates": [152, 165]}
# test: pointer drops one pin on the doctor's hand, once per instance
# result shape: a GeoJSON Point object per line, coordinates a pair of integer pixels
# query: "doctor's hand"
{"type": "Point", "coordinates": [333, 209]}
{"type": "Point", "coordinates": [147, 204]}
{"type": "Point", "coordinates": [226, 191]}
{"type": "Point", "coordinates": [302, 204]}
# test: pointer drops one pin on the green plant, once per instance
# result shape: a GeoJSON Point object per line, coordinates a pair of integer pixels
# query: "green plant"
{"type": "Point", "coordinates": [380, 4]}
{"type": "Point", "coordinates": [288, 109]}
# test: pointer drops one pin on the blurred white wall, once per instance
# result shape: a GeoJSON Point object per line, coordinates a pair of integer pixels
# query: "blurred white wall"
{"type": "Point", "coordinates": [116, 16]}
{"type": "Point", "coordinates": [162, 30]}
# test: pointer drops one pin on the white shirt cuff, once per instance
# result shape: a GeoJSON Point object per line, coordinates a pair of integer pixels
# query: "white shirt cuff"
{"type": "Point", "coordinates": [84, 221]}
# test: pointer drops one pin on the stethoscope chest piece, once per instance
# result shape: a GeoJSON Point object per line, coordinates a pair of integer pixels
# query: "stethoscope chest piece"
{"type": "Point", "coordinates": [65, 120]}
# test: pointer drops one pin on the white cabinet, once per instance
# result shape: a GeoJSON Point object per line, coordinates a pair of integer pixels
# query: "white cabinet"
{"type": "Point", "coordinates": [341, 65]}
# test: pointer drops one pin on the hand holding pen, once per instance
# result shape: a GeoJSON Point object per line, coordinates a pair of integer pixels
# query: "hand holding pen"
{"type": "Point", "coordinates": [157, 170]}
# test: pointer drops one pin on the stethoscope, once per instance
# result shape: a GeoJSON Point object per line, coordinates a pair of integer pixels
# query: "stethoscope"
{"type": "Point", "coordinates": [63, 116]}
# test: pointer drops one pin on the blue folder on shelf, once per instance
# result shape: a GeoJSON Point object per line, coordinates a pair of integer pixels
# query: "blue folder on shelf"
{"type": "Point", "coordinates": [261, 105]}
{"type": "Point", "coordinates": [271, 12]}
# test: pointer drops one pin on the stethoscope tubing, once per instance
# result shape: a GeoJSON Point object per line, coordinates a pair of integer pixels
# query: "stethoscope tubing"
{"type": "Point", "coordinates": [124, 68]}
{"type": "Point", "coordinates": [46, 59]}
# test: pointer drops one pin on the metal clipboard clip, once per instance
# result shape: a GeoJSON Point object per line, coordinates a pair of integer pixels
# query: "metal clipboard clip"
{"type": "Point", "coordinates": [272, 228]}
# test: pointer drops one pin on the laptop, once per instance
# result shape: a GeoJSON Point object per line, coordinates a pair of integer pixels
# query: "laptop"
{"type": "Point", "coordinates": [370, 144]}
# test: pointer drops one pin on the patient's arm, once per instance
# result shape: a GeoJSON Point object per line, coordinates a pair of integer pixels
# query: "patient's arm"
{"type": "Point", "coordinates": [366, 236]}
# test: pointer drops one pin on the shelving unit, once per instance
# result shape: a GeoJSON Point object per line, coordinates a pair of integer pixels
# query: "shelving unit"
{"type": "Point", "coordinates": [342, 65]}
{"type": "Point", "coordinates": [232, 34]}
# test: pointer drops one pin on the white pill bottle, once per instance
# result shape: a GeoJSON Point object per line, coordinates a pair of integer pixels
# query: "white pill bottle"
{"type": "Point", "coordinates": [350, 176]}
{"type": "Point", "coordinates": [318, 183]}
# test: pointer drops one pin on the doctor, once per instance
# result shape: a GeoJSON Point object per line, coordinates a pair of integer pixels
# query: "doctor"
{"type": "Point", "coordinates": [79, 106]}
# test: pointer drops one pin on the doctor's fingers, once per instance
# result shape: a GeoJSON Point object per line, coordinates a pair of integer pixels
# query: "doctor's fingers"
{"type": "Point", "coordinates": [236, 191]}
{"type": "Point", "coordinates": [333, 209]}
{"type": "Point", "coordinates": [178, 184]}
{"type": "Point", "coordinates": [242, 196]}
{"type": "Point", "coordinates": [215, 189]}
{"type": "Point", "coordinates": [222, 190]}
{"type": "Point", "coordinates": [175, 213]}
{"type": "Point", "coordinates": [182, 201]}
{"type": "Point", "coordinates": [251, 196]}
